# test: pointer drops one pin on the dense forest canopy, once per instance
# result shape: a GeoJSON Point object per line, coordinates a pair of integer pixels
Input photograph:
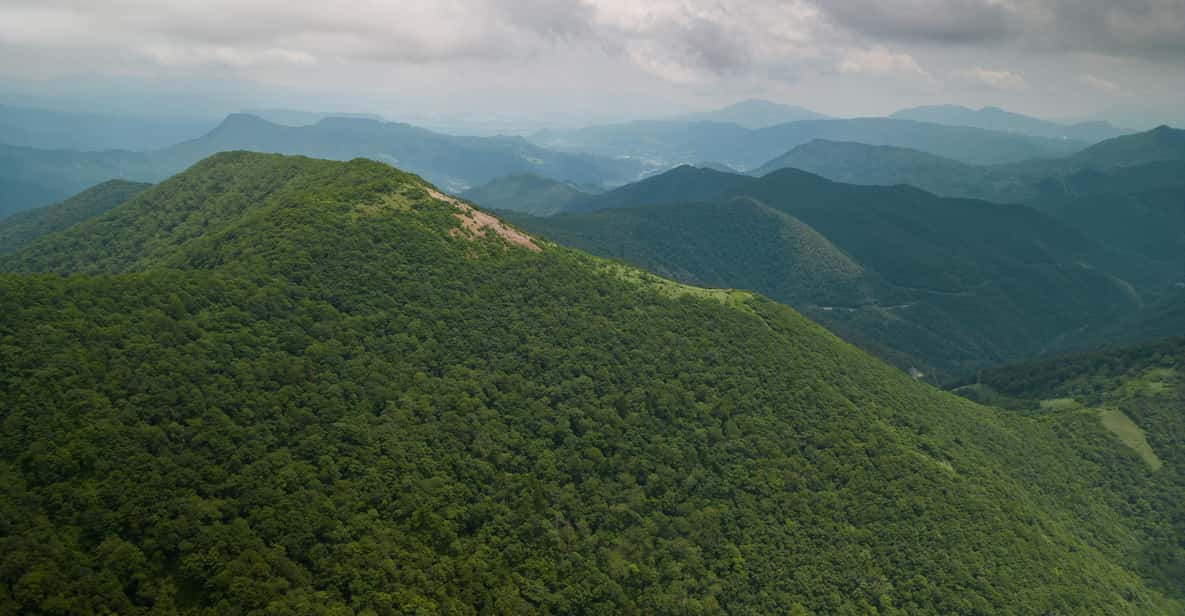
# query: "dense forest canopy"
{"type": "Point", "coordinates": [281, 385]}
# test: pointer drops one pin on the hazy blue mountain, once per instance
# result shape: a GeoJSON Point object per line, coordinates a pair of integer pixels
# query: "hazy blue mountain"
{"type": "Point", "coordinates": [752, 113]}
{"type": "Point", "coordinates": [456, 163]}
{"type": "Point", "coordinates": [944, 285]}
{"type": "Point", "coordinates": [1134, 162]}
{"type": "Point", "coordinates": [994, 118]}
{"type": "Point", "coordinates": [1160, 143]}
{"type": "Point", "coordinates": [660, 143]}
{"type": "Point", "coordinates": [48, 129]}
{"type": "Point", "coordinates": [296, 117]}
{"type": "Point", "coordinates": [27, 226]}
{"type": "Point", "coordinates": [529, 194]}
{"type": "Point", "coordinates": [17, 195]}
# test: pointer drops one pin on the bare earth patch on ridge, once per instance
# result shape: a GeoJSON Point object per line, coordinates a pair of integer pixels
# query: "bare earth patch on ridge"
{"type": "Point", "coordinates": [478, 222]}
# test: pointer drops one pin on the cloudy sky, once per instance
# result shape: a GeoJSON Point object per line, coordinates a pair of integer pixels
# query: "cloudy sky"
{"type": "Point", "coordinates": [573, 61]}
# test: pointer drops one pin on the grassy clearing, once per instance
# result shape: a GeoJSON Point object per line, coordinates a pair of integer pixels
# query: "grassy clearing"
{"type": "Point", "coordinates": [1060, 404]}
{"type": "Point", "coordinates": [731, 297]}
{"type": "Point", "coordinates": [1129, 434]}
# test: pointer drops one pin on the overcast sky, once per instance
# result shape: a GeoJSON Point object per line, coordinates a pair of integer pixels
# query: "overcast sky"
{"type": "Point", "coordinates": [594, 60]}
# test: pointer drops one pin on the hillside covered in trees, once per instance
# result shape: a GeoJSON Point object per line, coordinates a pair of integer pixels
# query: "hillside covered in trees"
{"type": "Point", "coordinates": [282, 385]}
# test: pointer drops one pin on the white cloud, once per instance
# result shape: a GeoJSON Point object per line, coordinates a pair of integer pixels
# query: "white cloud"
{"type": "Point", "coordinates": [880, 61]}
{"type": "Point", "coordinates": [995, 79]}
{"type": "Point", "coordinates": [1099, 83]}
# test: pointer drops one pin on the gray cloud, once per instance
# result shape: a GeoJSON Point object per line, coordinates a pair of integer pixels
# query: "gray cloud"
{"type": "Point", "coordinates": [947, 21]}
{"type": "Point", "coordinates": [1153, 29]}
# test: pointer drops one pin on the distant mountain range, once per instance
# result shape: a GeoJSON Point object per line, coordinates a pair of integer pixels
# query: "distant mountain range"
{"type": "Point", "coordinates": [61, 130]}
{"type": "Point", "coordinates": [994, 118]}
{"type": "Point", "coordinates": [456, 163]}
{"type": "Point", "coordinates": [752, 113]}
{"type": "Point", "coordinates": [663, 143]}
{"type": "Point", "coordinates": [1127, 192]}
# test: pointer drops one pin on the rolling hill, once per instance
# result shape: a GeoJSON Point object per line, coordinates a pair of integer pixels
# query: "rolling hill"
{"type": "Point", "coordinates": [282, 384]}
{"type": "Point", "coordinates": [664, 143]}
{"type": "Point", "coordinates": [24, 227]}
{"type": "Point", "coordinates": [942, 285]}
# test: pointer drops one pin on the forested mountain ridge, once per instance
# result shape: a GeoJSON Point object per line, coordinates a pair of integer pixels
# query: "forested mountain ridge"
{"type": "Point", "coordinates": [280, 384]}
{"type": "Point", "coordinates": [24, 227]}
{"type": "Point", "coordinates": [944, 285]}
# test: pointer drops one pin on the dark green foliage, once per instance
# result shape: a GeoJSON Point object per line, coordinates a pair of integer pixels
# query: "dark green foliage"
{"type": "Point", "coordinates": [23, 227]}
{"type": "Point", "coordinates": [529, 194]}
{"type": "Point", "coordinates": [943, 285]}
{"type": "Point", "coordinates": [296, 386]}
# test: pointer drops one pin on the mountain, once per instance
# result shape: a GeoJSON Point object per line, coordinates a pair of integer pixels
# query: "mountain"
{"type": "Point", "coordinates": [937, 284]}
{"type": "Point", "coordinates": [529, 194]}
{"type": "Point", "coordinates": [281, 384]}
{"type": "Point", "coordinates": [1127, 193]}
{"type": "Point", "coordinates": [23, 227]}
{"type": "Point", "coordinates": [662, 143]}
{"type": "Point", "coordinates": [683, 183]}
{"type": "Point", "coordinates": [60, 130]}
{"type": "Point", "coordinates": [1159, 144]}
{"type": "Point", "coordinates": [752, 113]}
{"type": "Point", "coordinates": [994, 118]}
{"type": "Point", "coordinates": [454, 162]}
{"type": "Point", "coordinates": [858, 163]}
{"type": "Point", "coordinates": [457, 163]}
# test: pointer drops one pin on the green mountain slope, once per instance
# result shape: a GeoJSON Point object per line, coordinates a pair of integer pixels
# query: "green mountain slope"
{"type": "Point", "coordinates": [1131, 397]}
{"type": "Point", "coordinates": [664, 143]}
{"type": "Point", "coordinates": [529, 194]}
{"type": "Point", "coordinates": [994, 118]}
{"type": "Point", "coordinates": [945, 285]}
{"type": "Point", "coordinates": [289, 385]}
{"type": "Point", "coordinates": [23, 227]}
